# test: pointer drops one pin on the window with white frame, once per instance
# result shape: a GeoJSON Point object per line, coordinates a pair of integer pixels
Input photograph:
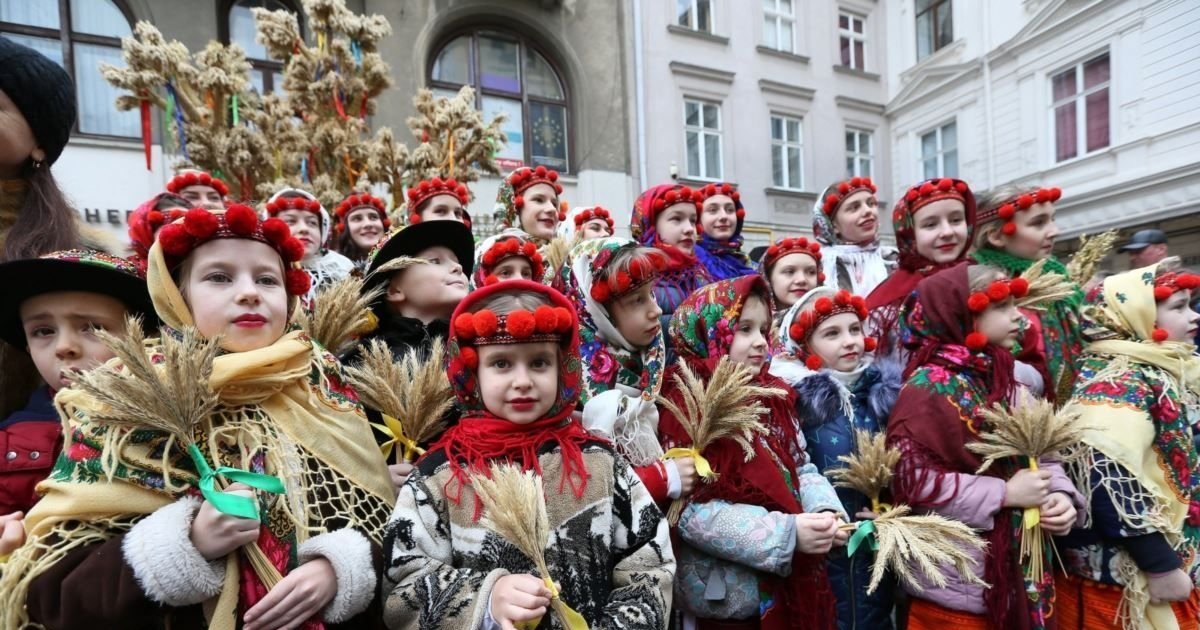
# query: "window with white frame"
{"type": "Point", "coordinates": [695, 14]}
{"type": "Point", "coordinates": [702, 124]}
{"type": "Point", "coordinates": [787, 148]}
{"type": "Point", "coordinates": [1080, 108]}
{"type": "Point", "coordinates": [859, 159]}
{"type": "Point", "coordinates": [853, 38]}
{"type": "Point", "coordinates": [939, 151]}
{"type": "Point", "coordinates": [779, 21]}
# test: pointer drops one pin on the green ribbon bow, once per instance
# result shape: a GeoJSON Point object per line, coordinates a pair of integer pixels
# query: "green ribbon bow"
{"type": "Point", "coordinates": [232, 504]}
{"type": "Point", "coordinates": [864, 531]}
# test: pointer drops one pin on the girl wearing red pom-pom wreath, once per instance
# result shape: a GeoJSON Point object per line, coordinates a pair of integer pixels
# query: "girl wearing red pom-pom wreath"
{"type": "Point", "coordinates": [130, 508]}
{"type": "Point", "coordinates": [1139, 556]}
{"type": "Point", "coordinates": [1013, 230]}
{"type": "Point", "coordinates": [846, 222]}
{"type": "Point", "coordinates": [829, 361]}
{"type": "Point", "coordinates": [311, 224]}
{"type": "Point", "coordinates": [960, 326]}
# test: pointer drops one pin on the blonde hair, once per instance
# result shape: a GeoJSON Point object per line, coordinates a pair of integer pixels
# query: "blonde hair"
{"type": "Point", "coordinates": [624, 257]}
{"type": "Point", "coordinates": [980, 276]}
{"type": "Point", "coordinates": [507, 302]}
{"type": "Point", "coordinates": [990, 200]}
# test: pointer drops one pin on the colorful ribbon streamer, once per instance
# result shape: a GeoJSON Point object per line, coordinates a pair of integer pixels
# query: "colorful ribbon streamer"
{"type": "Point", "coordinates": [392, 428]}
{"type": "Point", "coordinates": [864, 531]}
{"type": "Point", "coordinates": [356, 50]}
{"type": "Point", "coordinates": [232, 504]}
{"type": "Point", "coordinates": [236, 117]}
{"type": "Point", "coordinates": [177, 113]}
{"type": "Point", "coordinates": [337, 104]}
{"type": "Point", "coordinates": [702, 466]}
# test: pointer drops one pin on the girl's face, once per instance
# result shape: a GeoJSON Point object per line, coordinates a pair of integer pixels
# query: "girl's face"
{"type": "Point", "coordinates": [857, 219]}
{"type": "Point", "coordinates": [636, 316]}
{"type": "Point", "coordinates": [366, 227]}
{"type": "Point", "coordinates": [749, 346]}
{"type": "Point", "coordinates": [940, 230]}
{"type": "Point", "coordinates": [1001, 324]}
{"type": "Point", "coordinates": [1176, 316]}
{"type": "Point", "coordinates": [205, 197]}
{"type": "Point", "coordinates": [428, 290]}
{"type": "Point", "coordinates": [539, 216]}
{"type": "Point", "coordinates": [17, 143]}
{"type": "Point", "coordinates": [596, 228]}
{"type": "Point", "coordinates": [306, 227]}
{"type": "Point", "coordinates": [235, 289]}
{"type": "Point", "coordinates": [60, 332]}
{"type": "Point", "coordinates": [443, 207]}
{"type": "Point", "coordinates": [519, 382]}
{"type": "Point", "coordinates": [839, 341]}
{"type": "Point", "coordinates": [719, 217]}
{"type": "Point", "coordinates": [1035, 234]}
{"type": "Point", "coordinates": [792, 276]}
{"type": "Point", "coordinates": [676, 226]}
{"type": "Point", "coordinates": [514, 268]}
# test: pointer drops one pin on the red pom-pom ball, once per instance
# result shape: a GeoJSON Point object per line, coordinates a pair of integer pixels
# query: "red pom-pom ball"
{"type": "Point", "coordinates": [976, 341]}
{"type": "Point", "coordinates": [298, 282]}
{"type": "Point", "coordinates": [276, 230]}
{"type": "Point", "coordinates": [469, 357]}
{"type": "Point", "coordinates": [464, 326]}
{"type": "Point", "coordinates": [521, 324]}
{"type": "Point", "coordinates": [200, 223]}
{"type": "Point", "coordinates": [814, 362]}
{"type": "Point", "coordinates": [241, 220]}
{"type": "Point", "coordinates": [870, 344]}
{"type": "Point", "coordinates": [1159, 335]}
{"type": "Point", "coordinates": [1019, 286]}
{"type": "Point", "coordinates": [174, 240]}
{"type": "Point", "coordinates": [566, 320]}
{"type": "Point", "coordinates": [485, 323]}
{"type": "Point", "coordinates": [823, 305]}
{"type": "Point", "coordinates": [978, 302]}
{"type": "Point", "coordinates": [1162, 294]}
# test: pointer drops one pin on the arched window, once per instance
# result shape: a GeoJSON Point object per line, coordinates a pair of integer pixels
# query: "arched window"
{"type": "Point", "coordinates": [511, 76]}
{"type": "Point", "coordinates": [79, 35]}
{"type": "Point", "coordinates": [237, 27]}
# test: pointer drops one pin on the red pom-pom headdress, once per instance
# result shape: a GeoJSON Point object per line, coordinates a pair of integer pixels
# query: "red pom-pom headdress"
{"type": "Point", "coordinates": [928, 192]}
{"type": "Point", "coordinates": [843, 190]}
{"type": "Point", "coordinates": [199, 226]}
{"type": "Point", "coordinates": [584, 216]}
{"type": "Point", "coordinates": [712, 190]}
{"type": "Point", "coordinates": [996, 293]}
{"type": "Point", "coordinates": [1007, 210]}
{"type": "Point", "coordinates": [188, 179]}
{"type": "Point", "coordinates": [797, 245]}
{"type": "Point", "coordinates": [821, 309]}
{"type": "Point", "coordinates": [523, 179]}
{"type": "Point", "coordinates": [672, 197]}
{"type": "Point", "coordinates": [426, 189]}
{"type": "Point", "coordinates": [613, 285]}
{"type": "Point", "coordinates": [545, 323]}
{"type": "Point", "coordinates": [1168, 284]}
{"type": "Point", "coordinates": [354, 202]}
{"type": "Point", "coordinates": [507, 247]}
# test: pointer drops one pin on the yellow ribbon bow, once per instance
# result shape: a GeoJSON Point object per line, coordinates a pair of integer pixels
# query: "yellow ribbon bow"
{"type": "Point", "coordinates": [1032, 516]}
{"type": "Point", "coordinates": [392, 428]}
{"type": "Point", "coordinates": [703, 468]}
{"type": "Point", "coordinates": [571, 619]}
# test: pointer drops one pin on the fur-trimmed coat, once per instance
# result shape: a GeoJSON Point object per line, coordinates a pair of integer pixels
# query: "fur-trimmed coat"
{"type": "Point", "coordinates": [609, 550]}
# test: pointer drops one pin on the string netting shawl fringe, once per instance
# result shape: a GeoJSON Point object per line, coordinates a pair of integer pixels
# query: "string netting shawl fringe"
{"type": "Point", "coordinates": [867, 265]}
{"type": "Point", "coordinates": [609, 360]}
{"type": "Point", "coordinates": [937, 413]}
{"type": "Point", "coordinates": [702, 331]}
{"type": "Point", "coordinates": [1139, 442]}
{"type": "Point", "coordinates": [285, 411]}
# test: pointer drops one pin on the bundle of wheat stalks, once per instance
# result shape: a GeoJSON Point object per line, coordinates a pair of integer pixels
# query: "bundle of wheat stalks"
{"type": "Point", "coordinates": [340, 313]}
{"type": "Point", "coordinates": [1091, 252]}
{"type": "Point", "coordinates": [1045, 287]}
{"type": "Point", "coordinates": [173, 397]}
{"type": "Point", "coordinates": [728, 406]}
{"type": "Point", "coordinates": [413, 394]}
{"type": "Point", "coordinates": [1030, 430]}
{"type": "Point", "coordinates": [903, 543]}
{"type": "Point", "coordinates": [514, 506]}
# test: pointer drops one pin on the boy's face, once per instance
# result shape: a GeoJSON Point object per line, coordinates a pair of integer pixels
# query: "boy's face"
{"type": "Point", "coordinates": [749, 345]}
{"type": "Point", "coordinates": [60, 331]}
{"type": "Point", "coordinates": [443, 207]}
{"type": "Point", "coordinates": [235, 289]}
{"type": "Point", "coordinates": [205, 197]}
{"type": "Point", "coordinates": [429, 290]}
{"type": "Point", "coordinates": [636, 315]}
{"type": "Point", "coordinates": [519, 382]}
{"type": "Point", "coordinates": [306, 226]}
{"type": "Point", "coordinates": [539, 216]}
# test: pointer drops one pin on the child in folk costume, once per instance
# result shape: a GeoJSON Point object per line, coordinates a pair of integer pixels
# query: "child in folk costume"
{"type": "Point", "coordinates": [1135, 565]}
{"type": "Point", "coordinates": [50, 308]}
{"type": "Point", "coordinates": [528, 204]}
{"type": "Point", "coordinates": [122, 532]}
{"type": "Point", "coordinates": [960, 325]}
{"type": "Point", "coordinates": [148, 218]}
{"type": "Point", "coordinates": [311, 225]}
{"type": "Point", "coordinates": [515, 368]}
{"type": "Point", "coordinates": [791, 267]}
{"type": "Point", "coordinates": [200, 189]}
{"type": "Point", "coordinates": [507, 256]}
{"type": "Point", "coordinates": [840, 390]}
{"type": "Point", "coordinates": [665, 217]}
{"type": "Point", "coordinates": [437, 199]}
{"type": "Point", "coordinates": [846, 222]}
{"type": "Point", "coordinates": [610, 281]}
{"type": "Point", "coordinates": [1015, 229]}
{"type": "Point", "coordinates": [933, 222]}
{"type": "Point", "coordinates": [586, 223]}
{"type": "Point", "coordinates": [751, 544]}
{"type": "Point", "coordinates": [362, 222]}
{"type": "Point", "coordinates": [721, 220]}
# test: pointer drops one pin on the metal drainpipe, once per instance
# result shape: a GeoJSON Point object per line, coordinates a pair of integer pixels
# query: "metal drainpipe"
{"type": "Point", "coordinates": [987, 97]}
{"type": "Point", "coordinates": [639, 93]}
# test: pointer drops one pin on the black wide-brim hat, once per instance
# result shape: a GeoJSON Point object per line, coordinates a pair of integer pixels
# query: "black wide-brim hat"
{"type": "Point", "coordinates": [75, 270]}
{"type": "Point", "coordinates": [412, 239]}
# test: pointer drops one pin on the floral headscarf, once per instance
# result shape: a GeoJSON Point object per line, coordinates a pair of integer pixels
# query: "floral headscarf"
{"type": "Point", "coordinates": [685, 273]}
{"type": "Point", "coordinates": [524, 244]}
{"type": "Point", "coordinates": [702, 327]}
{"type": "Point", "coordinates": [724, 259]}
{"type": "Point", "coordinates": [865, 263]}
{"type": "Point", "coordinates": [609, 358]}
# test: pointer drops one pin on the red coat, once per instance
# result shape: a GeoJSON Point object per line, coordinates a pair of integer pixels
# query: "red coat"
{"type": "Point", "coordinates": [30, 441]}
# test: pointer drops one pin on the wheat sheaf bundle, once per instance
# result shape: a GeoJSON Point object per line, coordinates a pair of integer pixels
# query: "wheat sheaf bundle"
{"type": "Point", "coordinates": [728, 406]}
{"type": "Point", "coordinates": [413, 393]}
{"type": "Point", "coordinates": [1031, 430]}
{"type": "Point", "coordinates": [556, 254]}
{"type": "Point", "coordinates": [173, 397]}
{"type": "Point", "coordinates": [1087, 258]}
{"type": "Point", "coordinates": [514, 506]}
{"type": "Point", "coordinates": [1045, 287]}
{"type": "Point", "coordinates": [870, 468]}
{"type": "Point", "coordinates": [907, 544]}
{"type": "Point", "coordinates": [340, 312]}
